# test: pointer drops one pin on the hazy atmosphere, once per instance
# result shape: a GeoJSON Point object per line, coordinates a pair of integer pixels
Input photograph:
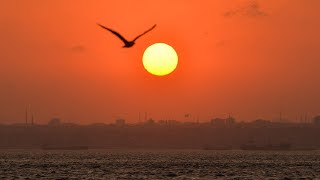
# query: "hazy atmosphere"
{"type": "Point", "coordinates": [251, 59]}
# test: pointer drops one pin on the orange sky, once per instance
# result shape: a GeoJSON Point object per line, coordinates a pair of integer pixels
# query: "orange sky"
{"type": "Point", "coordinates": [252, 59]}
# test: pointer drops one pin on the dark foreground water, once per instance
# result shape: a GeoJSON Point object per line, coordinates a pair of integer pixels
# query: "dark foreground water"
{"type": "Point", "coordinates": [112, 164]}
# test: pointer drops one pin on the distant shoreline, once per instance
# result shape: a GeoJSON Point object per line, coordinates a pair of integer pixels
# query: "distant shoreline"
{"type": "Point", "coordinates": [251, 136]}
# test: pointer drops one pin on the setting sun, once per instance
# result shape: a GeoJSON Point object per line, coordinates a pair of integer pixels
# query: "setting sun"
{"type": "Point", "coordinates": [160, 59]}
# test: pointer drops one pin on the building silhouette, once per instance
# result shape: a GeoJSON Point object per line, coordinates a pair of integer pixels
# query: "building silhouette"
{"type": "Point", "coordinates": [316, 120]}
{"type": "Point", "coordinates": [54, 122]}
{"type": "Point", "coordinates": [223, 122]}
{"type": "Point", "coordinates": [120, 122]}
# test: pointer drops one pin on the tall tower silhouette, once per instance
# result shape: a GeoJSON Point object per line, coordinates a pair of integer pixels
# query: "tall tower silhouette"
{"type": "Point", "coordinates": [26, 115]}
{"type": "Point", "coordinates": [32, 119]}
{"type": "Point", "coordinates": [139, 117]}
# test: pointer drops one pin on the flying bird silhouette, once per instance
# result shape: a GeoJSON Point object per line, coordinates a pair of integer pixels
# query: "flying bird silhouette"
{"type": "Point", "coordinates": [127, 44]}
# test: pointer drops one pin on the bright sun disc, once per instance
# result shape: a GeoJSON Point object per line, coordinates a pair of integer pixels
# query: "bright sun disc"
{"type": "Point", "coordinates": [160, 59]}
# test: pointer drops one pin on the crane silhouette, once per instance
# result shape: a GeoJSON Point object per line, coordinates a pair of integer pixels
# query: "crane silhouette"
{"type": "Point", "coordinates": [127, 44]}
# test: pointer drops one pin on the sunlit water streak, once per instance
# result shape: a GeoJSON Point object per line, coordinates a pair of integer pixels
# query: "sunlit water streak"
{"type": "Point", "coordinates": [148, 164]}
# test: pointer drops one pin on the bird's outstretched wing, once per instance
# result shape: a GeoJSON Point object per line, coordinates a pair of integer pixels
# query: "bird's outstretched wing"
{"type": "Point", "coordinates": [145, 32]}
{"type": "Point", "coordinates": [114, 32]}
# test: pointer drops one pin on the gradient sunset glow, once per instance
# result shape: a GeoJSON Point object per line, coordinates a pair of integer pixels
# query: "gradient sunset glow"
{"type": "Point", "coordinates": [248, 58]}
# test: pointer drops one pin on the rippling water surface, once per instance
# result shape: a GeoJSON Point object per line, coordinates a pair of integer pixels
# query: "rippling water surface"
{"type": "Point", "coordinates": [188, 164]}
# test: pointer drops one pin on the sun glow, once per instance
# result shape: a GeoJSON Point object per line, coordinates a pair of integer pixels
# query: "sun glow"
{"type": "Point", "coordinates": [160, 59]}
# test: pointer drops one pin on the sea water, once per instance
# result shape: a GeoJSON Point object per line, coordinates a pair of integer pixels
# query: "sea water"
{"type": "Point", "coordinates": [159, 164]}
